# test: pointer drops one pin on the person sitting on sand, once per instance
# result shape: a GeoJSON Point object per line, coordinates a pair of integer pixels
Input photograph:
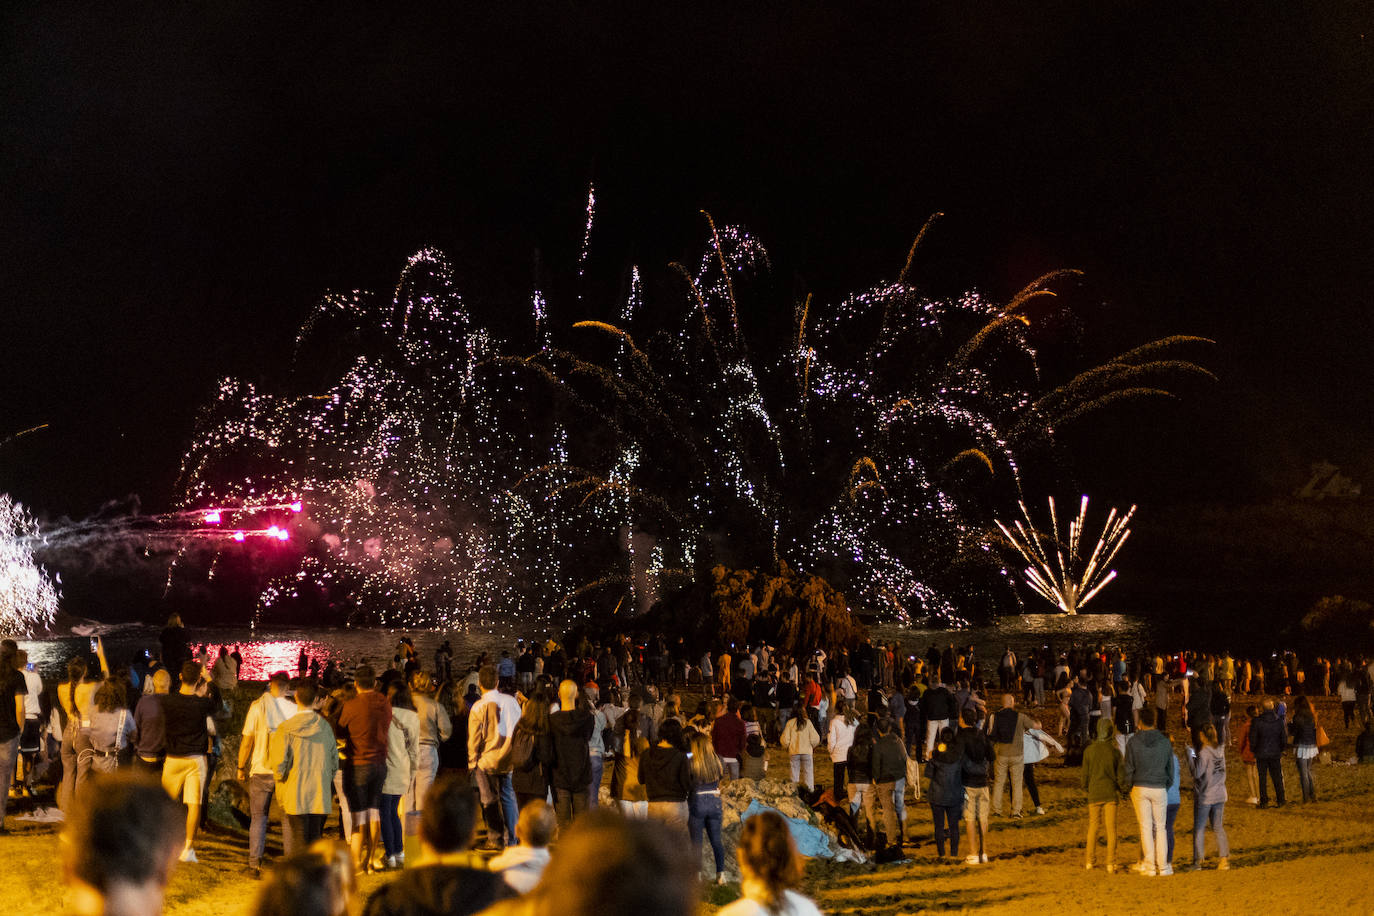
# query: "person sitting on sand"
{"type": "Point", "coordinates": [522, 866]}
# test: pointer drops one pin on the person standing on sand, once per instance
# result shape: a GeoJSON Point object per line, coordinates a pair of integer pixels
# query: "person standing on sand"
{"type": "Point", "coordinates": [1267, 741]}
{"type": "Point", "coordinates": [1104, 780]}
{"type": "Point", "coordinates": [1149, 772]}
{"type": "Point", "coordinates": [1007, 727]}
{"type": "Point", "coordinates": [978, 762]}
{"type": "Point", "coordinates": [364, 728]}
{"type": "Point", "coordinates": [304, 756]}
{"type": "Point", "coordinates": [268, 712]}
{"type": "Point", "coordinates": [185, 771]}
{"type": "Point", "coordinates": [1208, 764]}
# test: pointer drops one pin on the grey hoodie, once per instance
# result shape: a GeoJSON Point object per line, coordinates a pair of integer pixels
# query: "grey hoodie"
{"type": "Point", "coordinates": [1149, 760]}
{"type": "Point", "coordinates": [304, 757]}
{"type": "Point", "coordinates": [1209, 775]}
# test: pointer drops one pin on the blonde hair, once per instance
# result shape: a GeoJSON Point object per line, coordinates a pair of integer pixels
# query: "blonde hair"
{"type": "Point", "coordinates": [705, 765]}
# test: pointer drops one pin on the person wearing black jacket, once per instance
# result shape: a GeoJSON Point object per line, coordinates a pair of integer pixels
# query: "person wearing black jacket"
{"type": "Point", "coordinates": [859, 769]}
{"type": "Point", "coordinates": [667, 779]}
{"type": "Point", "coordinates": [978, 759]}
{"type": "Point", "coordinates": [786, 699]}
{"type": "Point", "coordinates": [946, 773]}
{"type": "Point", "coordinates": [937, 708]}
{"type": "Point", "coordinates": [1267, 740]}
{"type": "Point", "coordinates": [533, 775]}
{"type": "Point", "coordinates": [572, 766]}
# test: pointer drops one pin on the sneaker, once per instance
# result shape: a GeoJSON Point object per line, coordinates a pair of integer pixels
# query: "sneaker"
{"type": "Point", "coordinates": [1140, 868]}
{"type": "Point", "coordinates": [1196, 866]}
{"type": "Point", "coordinates": [391, 863]}
{"type": "Point", "coordinates": [1166, 871]}
{"type": "Point", "coordinates": [971, 860]}
{"type": "Point", "coordinates": [1252, 800]}
{"type": "Point", "coordinates": [983, 858]}
{"type": "Point", "coordinates": [1088, 866]}
{"type": "Point", "coordinates": [189, 855]}
{"type": "Point", "coordinates": [1039, 810]}
{"type": "Point", "coordinates": [1224, 864]}
{"type": "Point", "coordinates": [1017, 816]}
{"type": "Point", "coordinates": [1111, 869]}
{"type": "Point", "coordinates": [720, 878]}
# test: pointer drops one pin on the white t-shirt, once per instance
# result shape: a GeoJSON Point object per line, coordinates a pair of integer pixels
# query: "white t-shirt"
{"type": "Point", "coordinates": [794, 904]}
{"type": "Point", "coordinates": [33, 702]}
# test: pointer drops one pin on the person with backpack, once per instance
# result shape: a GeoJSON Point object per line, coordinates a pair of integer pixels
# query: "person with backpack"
{"type": "Point", "coordinates": [532, 751]}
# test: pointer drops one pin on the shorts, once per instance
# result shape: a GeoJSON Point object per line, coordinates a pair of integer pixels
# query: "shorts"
{"type": "Point", "coordinates": [362, 785]}
{"type": "Point", "coordinates": [29, 740]}
{"type": "Point", "coordinates": [183, 778]}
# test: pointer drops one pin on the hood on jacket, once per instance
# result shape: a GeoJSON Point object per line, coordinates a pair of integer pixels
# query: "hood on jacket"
{"type": "Point", "coordinates": [307, 724]}
{"type": "Point", "coordinates": [571, 723]}
{"type": "Point", "coordinates": [1106, 731]}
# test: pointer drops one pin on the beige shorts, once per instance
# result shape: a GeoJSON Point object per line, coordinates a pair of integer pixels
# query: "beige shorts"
{"type": "Point", "coordinates": [183, 778]}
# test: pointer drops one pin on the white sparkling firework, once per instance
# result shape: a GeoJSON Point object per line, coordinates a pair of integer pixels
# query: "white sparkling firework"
{"type": "Point", "coordinates": [28, 594]}
{"type": "Point", "coordinates": [448, 479]}
{"type": "Point", "coordinates": [1057, 571]}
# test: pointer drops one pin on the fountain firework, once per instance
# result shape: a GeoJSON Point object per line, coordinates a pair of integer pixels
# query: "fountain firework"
{"type": "Point", "coordinates": [451, 479]}
{"type": "Point", "coordinates": [1056, 571]}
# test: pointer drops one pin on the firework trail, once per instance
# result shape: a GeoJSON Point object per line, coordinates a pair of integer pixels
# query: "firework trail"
{"type": "Point", "coordinates": [1056, 570]}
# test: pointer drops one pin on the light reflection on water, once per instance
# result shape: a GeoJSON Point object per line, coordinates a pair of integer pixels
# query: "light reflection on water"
{"type": "Point", "coordinates": [277, 649]}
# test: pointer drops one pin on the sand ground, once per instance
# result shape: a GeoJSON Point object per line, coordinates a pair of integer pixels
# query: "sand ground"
{"type": "Point", "coordinates": [1300, 857]}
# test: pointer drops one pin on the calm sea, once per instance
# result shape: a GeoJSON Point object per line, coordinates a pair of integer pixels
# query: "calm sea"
{"type": "Point", "coordinates": [265, 650]}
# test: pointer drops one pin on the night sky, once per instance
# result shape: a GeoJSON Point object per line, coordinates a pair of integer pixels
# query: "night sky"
{"type": "Point", "coordinates": [180, 189]}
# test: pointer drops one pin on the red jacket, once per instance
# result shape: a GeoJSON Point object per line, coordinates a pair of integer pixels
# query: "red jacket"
{"type": "Point", "coordinates": [364, 723]}
{"type": "Point", "coordinates": [727, 736]}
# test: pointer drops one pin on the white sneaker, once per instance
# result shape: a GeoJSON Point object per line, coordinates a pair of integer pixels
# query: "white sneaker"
{"type": "Point", "coordinates": [971, 860]}
{"type": "Point", "coordinates": [1140, 868]}
{"type": "Point", "coordinates": [1039, 810]}
{"type": "Point", "coordinates": [720, 878]}
{"type": "Point", "coordinates": [983, 858]}
{"type": "Point", "coordinates": [1166, 871]}
{"type": "Point", "coordinates": [189, 855]}
{"type": "Point", "coordinates": [1252, 800]}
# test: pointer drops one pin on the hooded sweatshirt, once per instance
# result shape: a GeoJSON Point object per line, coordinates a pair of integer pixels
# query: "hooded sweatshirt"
{"type": "Point", "coordinates": [1209, 775]}
{"type": "Point", "coordinates": [1104, 769]}
{"type": "Point", "coordinates": [945, 770]}
{"type": "Point", "coordinates": [665, 774]}
{"type": "Point", "coordinates": [431, 890]}
{"type": "Point", "coordinates": [304, 757]}
{"type": "Point", "coordinates": [1150, 760]}
{"type": "Point", "coordinates": [572, 734]}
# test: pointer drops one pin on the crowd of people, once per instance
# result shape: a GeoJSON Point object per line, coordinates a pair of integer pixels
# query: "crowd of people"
{"type": "Point", "coordinates": [512, 754]}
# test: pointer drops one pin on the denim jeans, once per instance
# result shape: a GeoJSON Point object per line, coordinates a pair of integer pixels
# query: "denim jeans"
{"type": "Point", "coordinates": [260, 788]}
{"type": "Point", "coordinates": [567, 804]}
{"type": "Point", "coordinates": [1202, 814]}
{"type": "Point", "coordinates": [594, 787]}
{"type": "Point", "coordinates": [705, 811]}
{"type": "Point", "coordinates": [9, 753]}
{"type": "Point", "coordinates": [391, 824]}
{"type": "Point", "coordinates": [1170, 816]}
{"type": "Point", "coordinates": [509, 809]}
{"type": "Point", "coordinates": [946, 818]}
{"type": "Point", "coordinates": [1309, 788]}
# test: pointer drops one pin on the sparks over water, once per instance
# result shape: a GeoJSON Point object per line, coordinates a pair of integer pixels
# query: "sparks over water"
{"type": "Point", "coordinates": [1061, 577]}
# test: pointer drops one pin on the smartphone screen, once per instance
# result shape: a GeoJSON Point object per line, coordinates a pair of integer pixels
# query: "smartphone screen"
{"type": "Point", "coordinates": [95, 644]}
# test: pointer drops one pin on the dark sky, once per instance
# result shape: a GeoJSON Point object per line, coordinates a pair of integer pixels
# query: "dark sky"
{"type": "Point", "coordinates": [179, 188]}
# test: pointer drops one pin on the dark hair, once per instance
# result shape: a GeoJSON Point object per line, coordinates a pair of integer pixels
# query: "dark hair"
{"type": "Point", "coordinates": [1147, 716]}
{"type": "Point", "coordinates": [123, 832]}
{"type": "Point", "coordinates": [767, 849]}
{"type": "Point", "coordinates": [449, 814]}
{"type": "Point", "coordinates": [364, 677]}
{"type": "Point", "coordinates": [400, 697]}
{"type": "Point", "coordinates": [305, 884]}
{"type": "Point", "coordinates": [305, 693]}
{"type": "Point", "coordinates": [190, 673]}
{"type": "Point", "coordinates": [671, 732]}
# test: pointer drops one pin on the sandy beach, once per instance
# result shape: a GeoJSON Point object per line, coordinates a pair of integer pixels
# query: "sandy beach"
{"type": "Point", "coordinates": [1318, 856]}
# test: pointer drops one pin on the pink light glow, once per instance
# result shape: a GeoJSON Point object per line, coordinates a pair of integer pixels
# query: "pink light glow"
{"type": "Point", "coordinates": [296, 506]}
{"type": "Point", "coordinates": [239, 536]}
{"type": "Point", "coordinates": [212, 517]}
{"type": "Point", "coordinates": [283, 534]}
